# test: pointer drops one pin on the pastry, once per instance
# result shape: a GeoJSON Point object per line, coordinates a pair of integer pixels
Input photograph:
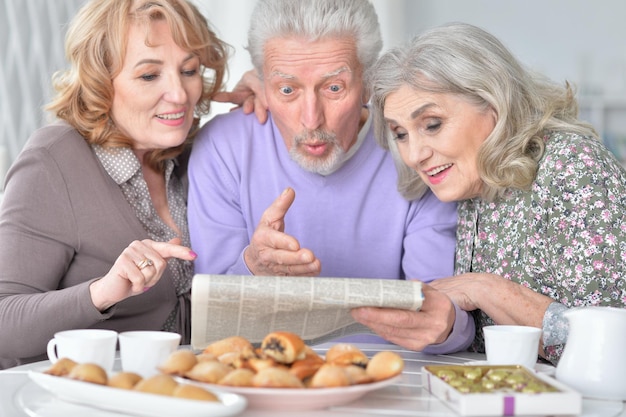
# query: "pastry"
{"type": "Point", "coordinates": [124, 380]}
{"type": "Point", "coordinates": [179, 362]}
{"type": "Point", "coordinates": [384, 365]}
{"type": "Point", "coordinates": [357, 375]}
{"type": "Point", "coordinates": [89, 372]}
{"type": "Point", "coordinates": [61, 367]}
{"type": "Point", "coordinates": [285, 347]}
{"type": "Point", "coordinates": [353, 357]}
{"type": "Point", "coordinates": [208, 371]}
{"type": "Point", "coordinates": [160, 384]}
{"type": "Point", "coordinates": [193, 392]}
{"type": "Point", "coordinates": [238, 378]}
{"type": "Point", "coordinates": [304, 368]}
{"type": "Point", "coordinates": [258, 364]}
{"type": "Point", "coordinates": [229, 344]}
{"type": "Point", "coordinates": [276, 378]}
{"type": "Point", "coordinates": [339, 349]}
{"type": "Point", "coordinates": [330, 375]}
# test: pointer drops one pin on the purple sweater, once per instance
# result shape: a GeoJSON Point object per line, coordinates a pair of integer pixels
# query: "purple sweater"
{"type": "Point", "coordinates": [354, 220]}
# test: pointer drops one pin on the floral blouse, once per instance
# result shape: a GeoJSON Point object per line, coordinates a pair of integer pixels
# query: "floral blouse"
{"type": "Point", "coordinates": [565, 238]}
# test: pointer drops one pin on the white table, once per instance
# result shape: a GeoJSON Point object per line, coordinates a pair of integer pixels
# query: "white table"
{"type": "Point", "coordinates": [404, 398]}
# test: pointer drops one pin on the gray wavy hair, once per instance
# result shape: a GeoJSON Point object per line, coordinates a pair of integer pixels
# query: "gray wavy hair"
{"type": "Point", "coordinates": [313, 20]}
{"type": "Point", "coordinates": [468, 62]}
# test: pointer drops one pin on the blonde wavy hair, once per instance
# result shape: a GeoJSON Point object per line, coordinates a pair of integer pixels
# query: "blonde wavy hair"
{"type": "Point", "coordinates": [466, 61]}
{"type": "Point", "coordinates": [95, 47]}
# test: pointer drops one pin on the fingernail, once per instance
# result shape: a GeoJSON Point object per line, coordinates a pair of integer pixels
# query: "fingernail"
{"type": "Point", "coordinates": [193, 254]}
{"type": "Point", "coordinates": [145, 289]}
{"type": "Point", "coordinates": [285, 191]}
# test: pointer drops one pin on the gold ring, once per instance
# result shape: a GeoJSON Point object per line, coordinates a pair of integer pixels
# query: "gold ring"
{"type": "Point", "coordinates": [144, 263]}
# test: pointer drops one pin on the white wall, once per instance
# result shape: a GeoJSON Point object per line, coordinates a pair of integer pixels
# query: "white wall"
{"type": "Point", "coordinates": [578, 40]}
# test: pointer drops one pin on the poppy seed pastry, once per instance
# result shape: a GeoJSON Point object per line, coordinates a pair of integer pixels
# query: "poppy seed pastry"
{"type": "Point", "coordinates": [284, 347]}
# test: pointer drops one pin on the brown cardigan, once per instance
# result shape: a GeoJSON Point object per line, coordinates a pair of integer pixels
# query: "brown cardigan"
{"type": "Point", "coordinates": [63, 223]}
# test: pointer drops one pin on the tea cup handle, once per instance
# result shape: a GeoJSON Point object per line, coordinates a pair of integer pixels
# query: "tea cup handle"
{"type": "Point", "coordinates": [52, 355]}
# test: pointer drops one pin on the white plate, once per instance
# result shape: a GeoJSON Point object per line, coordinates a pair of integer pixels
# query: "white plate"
{"type": "Point", "coordinates": [136, 403]}
{"type": "Point", "coordinates": [298, 399]}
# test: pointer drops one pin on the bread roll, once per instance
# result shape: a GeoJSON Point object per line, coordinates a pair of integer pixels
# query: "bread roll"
{"type": "Point", "coordinates": [330, 375]}
{"type": "Point", "coordinates": [339, 349]}
{"type": "Point", "coordinates": [284, 347]}
{"type": "Point", "coordinates": [385, 364]}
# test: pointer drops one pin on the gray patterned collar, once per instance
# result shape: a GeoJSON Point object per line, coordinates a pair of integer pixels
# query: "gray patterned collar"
{"type": "Point", "coordinates": [120, 163]}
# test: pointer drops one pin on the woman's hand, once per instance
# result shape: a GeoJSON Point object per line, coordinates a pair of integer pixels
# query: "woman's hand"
{"type": "Point", "coordinates": [247, 94]}
{"type": "Point", "coordinates": [138, 268]}
{"type": "Point", "coordinates": [505, 301]}
{"type": "Point", "coordinates": [412, 330]}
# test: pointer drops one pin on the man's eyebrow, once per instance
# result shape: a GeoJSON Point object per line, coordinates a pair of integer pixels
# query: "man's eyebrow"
{"type": "Point", "coordinates": [282, 75]}
{"type": "Point", "coordinates": [330, 74]}
{"type": "Point", "coordinates": [336, 72]}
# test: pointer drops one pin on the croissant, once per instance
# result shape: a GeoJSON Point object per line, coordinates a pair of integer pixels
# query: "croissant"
{"type": "Point", "coordinates": [284, 347]}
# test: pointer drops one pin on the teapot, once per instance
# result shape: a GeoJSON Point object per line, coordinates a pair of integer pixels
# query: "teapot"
{"type": "Point", "coordinates": [594, 358]}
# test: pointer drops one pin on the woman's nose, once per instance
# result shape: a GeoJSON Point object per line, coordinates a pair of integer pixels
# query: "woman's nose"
{"type": "Point", "coordinates": [175, 90]}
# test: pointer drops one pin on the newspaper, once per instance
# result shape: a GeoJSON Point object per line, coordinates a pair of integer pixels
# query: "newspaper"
{"type": "Point", "coordinates": [317, 309]}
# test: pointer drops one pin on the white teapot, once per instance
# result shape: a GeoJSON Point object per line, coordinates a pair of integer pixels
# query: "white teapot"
{"type": "Point", "coordinates": [594, 359]}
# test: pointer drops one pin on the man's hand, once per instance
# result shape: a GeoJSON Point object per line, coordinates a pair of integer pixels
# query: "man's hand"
{"type": "Point", "coordinates": [412, 330]}
{"type": "Point", "coordinates": [272, 251]}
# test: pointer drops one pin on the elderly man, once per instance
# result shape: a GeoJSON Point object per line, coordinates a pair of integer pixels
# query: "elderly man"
{"type": "Point", "coordinates": [309, 192]}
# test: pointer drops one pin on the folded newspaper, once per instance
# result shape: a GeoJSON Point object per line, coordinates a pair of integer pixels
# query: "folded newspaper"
{"type": "Point", "coordinates": [317, 309]}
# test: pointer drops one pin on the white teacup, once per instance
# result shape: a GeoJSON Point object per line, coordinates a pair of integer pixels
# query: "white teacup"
{"type": "Point", "coordinates": [84, 346]}
{"type": "Point", "coordinates": [142, 351]}
{"type": "Point", "coordinates": [512, 345]}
